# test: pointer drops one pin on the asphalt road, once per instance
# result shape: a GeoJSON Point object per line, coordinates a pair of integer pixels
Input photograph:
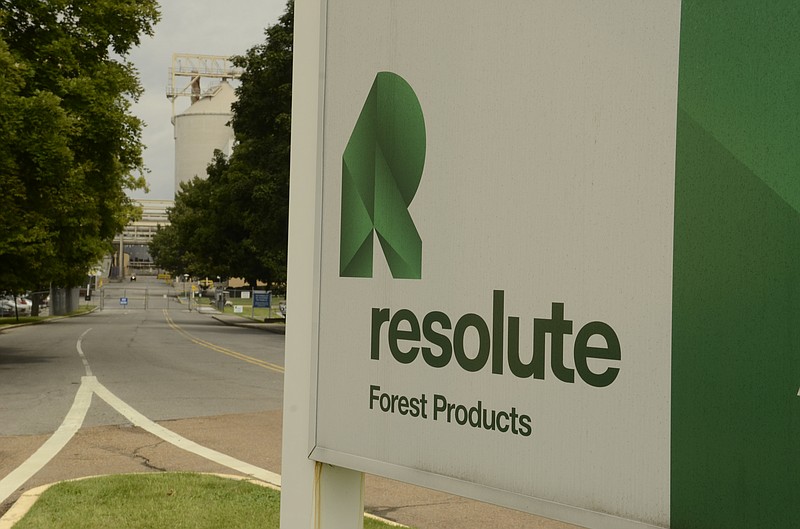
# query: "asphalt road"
{"type": "Point", "coordinates": [146, 357]}
{"type": "Point", "coordinates": [70, 391]}
{"type": "Point", "coordinates": [217, 386]}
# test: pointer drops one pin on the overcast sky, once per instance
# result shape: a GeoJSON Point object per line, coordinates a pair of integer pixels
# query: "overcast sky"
{"type": "Point", "coordinates": [208, 27]}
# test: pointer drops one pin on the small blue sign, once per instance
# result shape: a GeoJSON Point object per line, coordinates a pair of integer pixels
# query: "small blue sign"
{"type": "Point", "coordinates": [262, 300]}
{"type": "Point", "coordinates": [123, 301]}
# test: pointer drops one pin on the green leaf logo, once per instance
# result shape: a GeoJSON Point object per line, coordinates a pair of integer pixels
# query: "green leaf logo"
{"type": "Point", "coordinates": [381, 171]}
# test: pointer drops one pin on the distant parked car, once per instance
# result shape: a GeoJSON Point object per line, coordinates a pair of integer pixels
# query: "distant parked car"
{"type": "Point", "coordinates": [23, 306]}
{"type": "Point", "coordinates": [26, 304]}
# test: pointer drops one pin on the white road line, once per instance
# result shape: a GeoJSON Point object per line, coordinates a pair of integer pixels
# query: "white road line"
{"type": "Point", "coordinates": [83, 357]}
{"type": "Point", "coordinates": [74, 420]}
{"type": "Point", "coordinates": [137, 419]}
{"type": "Point", "coordinates": [51, 447]}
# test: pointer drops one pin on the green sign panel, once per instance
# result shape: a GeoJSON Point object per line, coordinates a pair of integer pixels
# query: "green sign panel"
{"type": "Point", "coordinates": [736, 295]}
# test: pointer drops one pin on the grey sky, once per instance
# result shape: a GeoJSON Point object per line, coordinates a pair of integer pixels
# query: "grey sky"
{"type": "Point", "coordinates": [208, 27]}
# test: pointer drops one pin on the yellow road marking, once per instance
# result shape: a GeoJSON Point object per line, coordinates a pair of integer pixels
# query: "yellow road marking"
{"type": "Point", "coordinates": [220, 349]}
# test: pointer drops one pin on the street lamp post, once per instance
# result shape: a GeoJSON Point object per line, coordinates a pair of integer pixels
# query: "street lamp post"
{"type": "Point", "coordinates": [185, 280]}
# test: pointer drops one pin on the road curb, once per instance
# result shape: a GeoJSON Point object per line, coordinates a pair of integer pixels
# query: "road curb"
{"type": "Point", "coordinates": [277, 328]}
{"type": "Point", "coordinates": [21, 507]}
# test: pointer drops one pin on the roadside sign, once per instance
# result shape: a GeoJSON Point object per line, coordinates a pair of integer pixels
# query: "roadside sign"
{"type": "Point", "coordinates": [262, 299]}
{"type": "Point", "coordinates": [527, 387]}
{"type": "Point", "coordinates": [238, 309]}
{"type": "Point", "coordinates": [123, 301]}
{"type": "Point", "coordinates": [577, 351]}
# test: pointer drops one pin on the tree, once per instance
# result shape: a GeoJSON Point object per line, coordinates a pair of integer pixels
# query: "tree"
{"type": "Point", "coordinates": [69, 146]}
{"type": "Point", "coordinates": [258, 179]}
{"type": "Point", "coordinates": [246, 197]}
{"type": "Point", "coordinates": [200, 234]}
{"type": "Point", "coordinates": [183, 246]}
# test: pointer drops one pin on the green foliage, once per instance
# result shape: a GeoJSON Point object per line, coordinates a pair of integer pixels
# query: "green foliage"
{"type": "Point", "coordinates": [260, 163]}
{"type": "Point", "coordinates": [185, 247]}
{"type": "Point", "coordinates": [69, 146]}
{"type": "Point", "coordinates": [235, 223]}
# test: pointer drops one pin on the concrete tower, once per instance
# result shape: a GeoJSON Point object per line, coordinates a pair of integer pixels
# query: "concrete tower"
{"type": "Point", "coordinates": [203, 126]}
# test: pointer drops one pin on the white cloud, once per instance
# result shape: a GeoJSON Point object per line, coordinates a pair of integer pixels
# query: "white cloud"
{"type": "Point", "coordinates": [208, 27]}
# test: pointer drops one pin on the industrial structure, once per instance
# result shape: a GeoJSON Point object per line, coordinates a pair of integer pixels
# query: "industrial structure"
{"type": "Point", "coordinates": [154, 214]}
{"type": "Point", "coordinates": [131, 246]}
{"type": "Point", "coordinates": [205, 125]}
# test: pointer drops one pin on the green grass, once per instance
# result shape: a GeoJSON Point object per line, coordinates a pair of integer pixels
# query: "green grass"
{"type": "Point", "coordinates": [157, 501]}
{"type": "Point", "coordinates": [246, 304]}
{"type": "Point", "coordinates": [260, 314]}
{"type": "Point", "coordinates": [12, 320]}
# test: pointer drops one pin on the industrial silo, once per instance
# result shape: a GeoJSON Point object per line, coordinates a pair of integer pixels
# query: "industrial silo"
{"type": "Point", "coordinates": [200, 129]}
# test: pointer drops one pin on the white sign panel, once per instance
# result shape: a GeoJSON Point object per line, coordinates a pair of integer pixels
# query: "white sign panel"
{"type": "Point", "coordinates": [497, 222]}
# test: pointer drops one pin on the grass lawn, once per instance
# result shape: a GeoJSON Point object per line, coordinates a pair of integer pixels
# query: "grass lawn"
{"type": "Point", "coordinates": [12, 320]}
{"type": "Point", "coordinates": [247, 308]}
{"type": "Point", "coordinates": [158, 501]}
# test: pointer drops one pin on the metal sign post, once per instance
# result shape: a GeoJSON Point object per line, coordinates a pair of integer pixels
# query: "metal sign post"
{"type": "Point", "coordinates": [313, 495]}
